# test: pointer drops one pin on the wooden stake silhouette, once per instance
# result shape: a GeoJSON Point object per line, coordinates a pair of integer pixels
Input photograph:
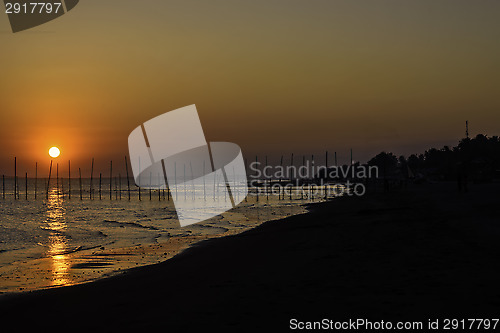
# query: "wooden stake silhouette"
{"type": "Point", "coordinates": [169, 194]}
{"type": "Point", "coordinates": [57, 179]}
{"type": "Point", "coordinates": [257, 188]}
{"type": "Point", "coordinates": [204, 186]}
{"type": "Point", "coordinates": [62, 187]}
{"type": "Point", "coordinates": [48, 180]}
{"type": "Point", "coordinates": [279, 194]}
{"type": "Point", "coordinates": [26, 189]}
{"type": "Point", "coordinates": [185, 190]}
{"type": "Point", "coordinates": [120, 184]}
{"type": "Point", "coordinates": [128, 179]}
{"type": "Point", "coordinates": [69, 180]}
{"type": "Point", "coordinates": [15, 178]}
{"type": "Point", "coordinates": [3, 187]}
{"type": "Point", "coordinates": [192, 180]}
{"type": "Point", "coordinates": [110, 180]}
{"type": "Point", "coordinates": [139, 187]}
{"type": "Point", "coordinates": [291, 178]}
{"type": "Point", "coordinates": [302, 186]}
{"type": "Point", "coordinates": [91, 177]}
{"type": "Point", "coordinates": [139, 180]}
{"type": "Point", "coordinates": [268, 184]}
{"type": "Point", "coordinates": [235, 186]}
{"type": "Point", "coordinates": [326, 173]}
{"type": "Point", "coordinates": [310, 189]}
{"type": "Point", "coordinates": [80, 175]}
{"type": "Point", "coordinates": [36, 178]}
{"type": "Point", "coordinates": [100, 183]}
{"type": "Point", "coordinates": [246, 197]}
{"type": "Point", "coordinates": [215, 181]}
{"type": "Point", "coordinates": [175, 183]}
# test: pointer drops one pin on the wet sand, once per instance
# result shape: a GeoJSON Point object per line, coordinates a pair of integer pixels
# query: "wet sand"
{"type": "Point", "coordinates": [420, 253]}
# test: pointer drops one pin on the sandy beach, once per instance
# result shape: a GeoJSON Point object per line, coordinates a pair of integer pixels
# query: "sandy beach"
{"type": "Point", "coordinates": [419, 253]}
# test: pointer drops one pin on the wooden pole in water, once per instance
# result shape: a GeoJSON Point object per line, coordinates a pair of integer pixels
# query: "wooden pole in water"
{"type": "Point", "coordinates": [169, 194]}
{"type": "Point", "coordinates": [128, 179]}
{"type": "Point", "coordinates": [80, 174]}
{"type": "Point", "coordinates": [100, 183]}
{"type": "Point", "coordinates": [26, 188]}
{"type": "Point", "coordinates": [312, 166]}
{"type": "Point", "coordinates": [215, 175]}
{"type": "Point", "coordinates": [120, 184]}
{"type": "Point", "coordinates": [325, 188]}
{"type": "Point", "coordinates": [62, 187]}
{"type": "Point", "coordinates": [281, 166]}
{"type": "Point", "coordinates": [185, 189]}
{"type": "Point", "coordinates": [268, 184]}
{"type": "Point", "coordinates": [192, 180]}
{"type": "Point", "coordinates": [116, 188]}
{"type": "Point", "coordinates": [246, 197]}
{"type": "Point", "coordinates": [326, 172]}
{"type": "Point", "coordinates": [257, 189]}
{"type": "Point", "coordinates": [310, 191]}
{"type": "Point", "coordinates": [150, 185]}
{"type": "Point", "coordinates": [302, 187]}
{"type": "Point", "coordinates": [15, 178]}
{"type": "Point", "coordinates": [204, 185]}
{"type": "Point", "coordinates": [110, 180]}
{"type": "Point", "coordinates": [3, 187]}
{"type": "Point", "coordinates": [139, 185]}
{"type": "Point", "coordinates": [69, 179]}
{"type": "Point", "coordinates": [36, 178]}
{"type": "Point", "coordinates": [57, 178]}
{"type": "Point", "coordinates": [291, 179]}
{"type": "Point", "coordinates": [48, 180]}
{"type": "Point", "coordinates": [139, 180]}
{"type": "Point", "coordinates": [237, 188]}
{"type": "Point", "coordinates": [91, 177]}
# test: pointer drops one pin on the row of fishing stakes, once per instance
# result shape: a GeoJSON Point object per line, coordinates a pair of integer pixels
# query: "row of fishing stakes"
{"type": "Point", "coordinates": [161, 192]}
{"type": "Point", "coordinates": [60, 189]}
{"type": "Point", "coordinates": [267, 183]}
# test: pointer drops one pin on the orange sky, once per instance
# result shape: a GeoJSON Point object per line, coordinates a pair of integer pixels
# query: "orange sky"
{"type": "Point", "coordinates": [274, 77]}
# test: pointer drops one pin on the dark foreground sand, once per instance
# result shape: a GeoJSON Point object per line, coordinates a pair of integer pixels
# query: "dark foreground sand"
{"type": "Point", "coordinates": [425, 252]}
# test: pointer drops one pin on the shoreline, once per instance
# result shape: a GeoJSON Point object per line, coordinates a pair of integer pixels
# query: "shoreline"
{"type": "Point", "coordinates": [422, 253]}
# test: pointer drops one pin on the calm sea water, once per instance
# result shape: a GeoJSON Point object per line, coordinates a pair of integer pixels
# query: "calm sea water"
{"type": "Point", "coordinates": [58, 228]}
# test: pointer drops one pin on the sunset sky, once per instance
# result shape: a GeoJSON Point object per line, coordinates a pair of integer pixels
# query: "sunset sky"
{"type": "Point", "coordinates": [273, 76]}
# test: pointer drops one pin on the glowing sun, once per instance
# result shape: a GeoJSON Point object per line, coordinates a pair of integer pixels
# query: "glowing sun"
{"type": "Point", "coordinates": [54, 152]}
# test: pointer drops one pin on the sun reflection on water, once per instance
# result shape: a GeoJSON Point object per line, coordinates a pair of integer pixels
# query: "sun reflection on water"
{"type": "Point", "coordinates": [58, 242]}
